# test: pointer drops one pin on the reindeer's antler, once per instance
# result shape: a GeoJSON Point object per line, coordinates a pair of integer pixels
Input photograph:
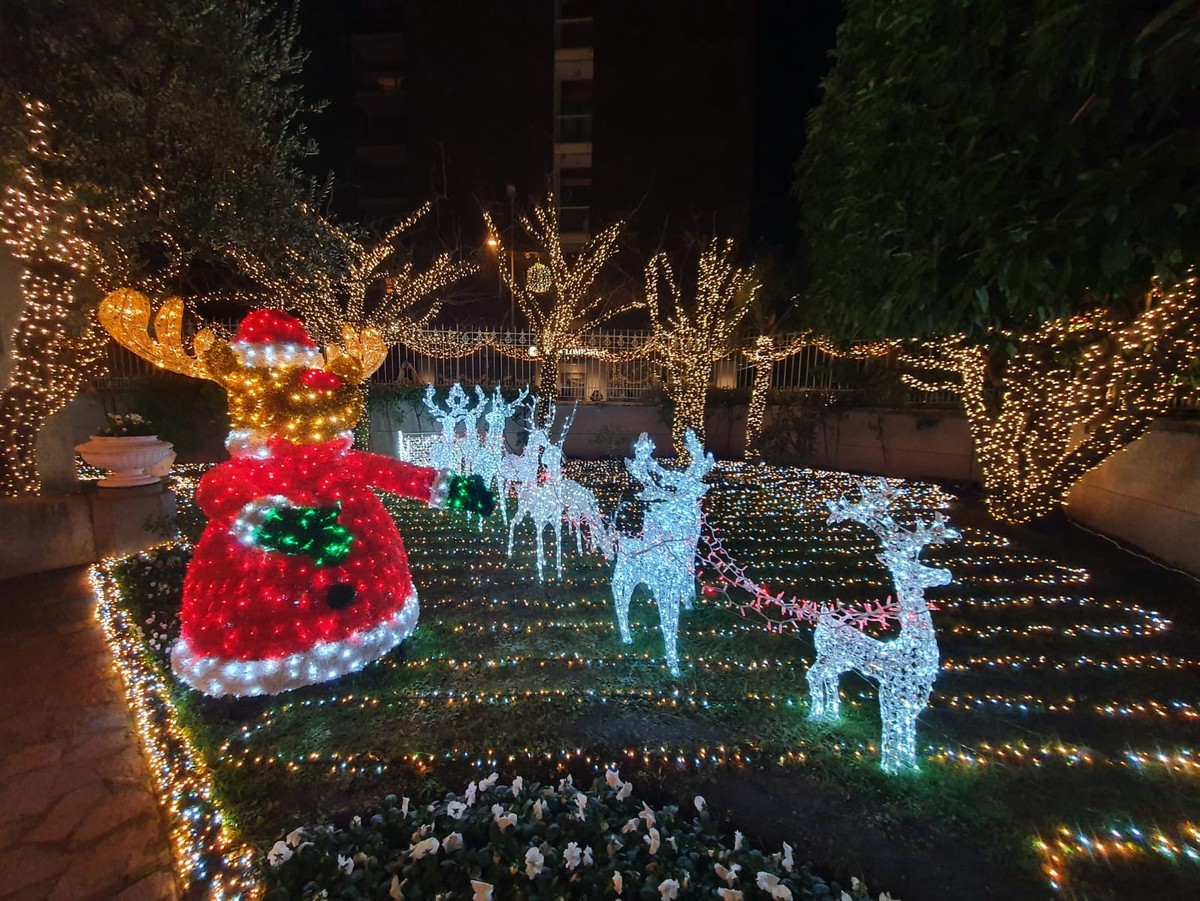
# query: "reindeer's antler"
{"type": "Point", "coordinates": [367, 346]}
{"type": "Point", "coordinates": [125, 313]}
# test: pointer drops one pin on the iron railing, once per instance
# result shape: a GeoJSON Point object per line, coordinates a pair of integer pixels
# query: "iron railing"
{"type": "Point", "coordinates": [590, 379]}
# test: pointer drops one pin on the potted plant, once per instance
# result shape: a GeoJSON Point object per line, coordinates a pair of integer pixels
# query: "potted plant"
{"type": "Point", "coordinates": [129, 448]}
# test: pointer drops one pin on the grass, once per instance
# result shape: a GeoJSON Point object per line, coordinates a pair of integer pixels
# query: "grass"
{"type": "Point", "coordinates": [1051, 679]}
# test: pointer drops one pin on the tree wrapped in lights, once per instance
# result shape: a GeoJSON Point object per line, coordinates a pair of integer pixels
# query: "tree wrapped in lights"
{"type": "Point", "coordinates": [154, 143]}
{"type": "Point", "coordinates": [692, 338]}
{"type": "Point", "coordinates": [363, 288]}
{"type": "Point", "coordinates": [300, 575]}
{"type": "Point", "coordinates": [561, 311]}
{"type": "Point", "coordinates": [663, 556]}
{"type": "Point", "coordinates": [764, 353]}
{"type": "Point", "coordinates": [1015, 208]}
{"type": "Point", "coordinates": [905, 666]}
{"type": "Point", "coordinates": [1069, 395]}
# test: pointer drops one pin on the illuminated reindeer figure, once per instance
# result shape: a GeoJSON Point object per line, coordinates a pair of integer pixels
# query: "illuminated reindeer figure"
{"type": "Point", "coordinates": [663, 557]}
{"type": "Point", "coordinates": [450, 451]}
{"type": "Point", "coordinates": [538, 492]}
{"type": "Point", "coordinates": [905, 667]}
{"type": "Point", "coordinates": [489, 460]}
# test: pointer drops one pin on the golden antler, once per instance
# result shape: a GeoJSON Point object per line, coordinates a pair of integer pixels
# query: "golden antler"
{"type": "Point", "coordinates": [367, 346]}
{"type": "Point", "coordinates": [126, 314]}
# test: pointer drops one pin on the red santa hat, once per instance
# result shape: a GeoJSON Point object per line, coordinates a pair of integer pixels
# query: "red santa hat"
{"type": "Point", "coordinates": [267, 338]}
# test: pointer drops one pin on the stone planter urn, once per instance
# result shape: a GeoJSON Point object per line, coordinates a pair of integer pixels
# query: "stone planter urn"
{"type": "Point", "coordinates": [133, 459]}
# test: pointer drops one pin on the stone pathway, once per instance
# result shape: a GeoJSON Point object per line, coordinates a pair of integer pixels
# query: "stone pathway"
{"type": "Point", "coordinates": [78, 817]}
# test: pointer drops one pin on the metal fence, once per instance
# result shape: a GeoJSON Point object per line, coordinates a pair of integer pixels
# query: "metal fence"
{"type": "Point", "coordinates": [590, 379]}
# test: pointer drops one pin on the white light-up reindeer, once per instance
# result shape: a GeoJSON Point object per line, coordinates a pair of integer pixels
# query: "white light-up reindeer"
{"type": "Point", "coordinates": [663, 557]}
{"type": "Point", "coordinates": [489, 461]}
{"type": "Point", "coordinates": [452, 451]}
{"type": "Point", "coordinates": [542, 490]}
{"type": "Point", "coordinates": [906, 666]}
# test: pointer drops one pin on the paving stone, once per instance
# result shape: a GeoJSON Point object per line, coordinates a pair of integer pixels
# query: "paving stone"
{"type": "Point", "coordinates": [121, 807]}
{"type": "Point", "coordinates": [30, 758]}
{"type": "Point", "coordinates": [29, 865]}
{"type": "Point", "coordinates": [30, 794]}
{"type": "Point", "coordinates": [66, 815]}
{"type": "Point", "coordinates": [78, 818]}
{"type": "Point", "coordinates": [158, 886]}
{"type": "Point", "coordinates": [112, 863]}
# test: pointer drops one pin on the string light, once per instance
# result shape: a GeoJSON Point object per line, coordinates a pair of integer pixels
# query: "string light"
{"type": "Point", "coordinates": [538, 675]}
{"type": "Point", "coordinates": [559, 314]}
{"type": "Point", "coordinates": [693, 338]}
{"type": "Point", "coordinates": [1070, 846]}
{"type": "Point", "coordinates": [206, 850]}
{"type": "Point", "coordinates": [65, 255]}
{"type": "Point", "coordinates": [764, 353]}
{"type": "Point", "coordinates": [301, 575]}
{"type": "Point", "coordinates": [663, 556]}
{"type": "Point", "coordinates": [331, 297]}
{"type": "Point", "coordinates": [907, 665]}
{"type": "Point", "coordinates": [1073, 393]}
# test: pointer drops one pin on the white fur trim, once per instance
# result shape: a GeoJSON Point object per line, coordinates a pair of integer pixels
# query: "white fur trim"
{"type": "Point", "coordinates": [440, 489]}
{"type": "Point", "coordinates": [216, 677]}
{"type": "Point", "coordinates": [268, 356]}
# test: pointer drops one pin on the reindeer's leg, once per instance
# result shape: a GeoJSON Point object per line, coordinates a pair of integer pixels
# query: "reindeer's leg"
{"type": "Point", "coordinates": [667, 597]}
{"type": "Point", "coordinates": [899, 706]}
{"type": "Point", "coordinates": [822, 684]}
{"type": "Point", "coordinates": [622, 592]}
{"type": "Point", "coordinates": [558, 546]}
{"type": "Point", "coordinates": [541, 552]}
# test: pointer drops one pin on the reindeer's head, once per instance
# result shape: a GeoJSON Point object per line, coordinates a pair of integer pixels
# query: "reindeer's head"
{"type": "Point", "coordinates": [665, 485]}
{"type": "Point", "coordinates": [279, 382]}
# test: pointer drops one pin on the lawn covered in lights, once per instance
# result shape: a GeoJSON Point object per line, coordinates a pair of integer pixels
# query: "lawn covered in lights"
{"type": "Point", "coordinates": [1059, 705]}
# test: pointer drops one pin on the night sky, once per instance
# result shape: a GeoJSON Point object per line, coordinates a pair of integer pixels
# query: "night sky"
{"type": "Point", "coordinates": [699, 119]}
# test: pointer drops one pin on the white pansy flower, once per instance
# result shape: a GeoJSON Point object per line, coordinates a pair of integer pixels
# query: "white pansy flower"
{"type": "Point", "coordinates": [738, 840]}
{"type": "Point", "coordinates": [770, 884]}
{"type": "Point", "coordinates": [487, 783]}
{"type": "Point", "coordinates": [470, 794]}
{"type": "Point", "coordinates": [278, 854]}
{"type": "Point", "coordinates": [345, 864]}
{"type": "Point", "coordinates": [421, 848]}
{"type": "Point", "coordinates": [788, 863]}
{"type": "Point", "coordinates": [518, 784]}
{"type": "Point", "coordinates": [618, 883]}
{"type": "Point", "coordinates": [729, 875]}
{"type": "Point", "coordinates": [728, 894]}
{"type": "Point", "coordinates": [631, 826]}
{"type": "Point", "coordinates": [533, 862]}
{"type": "Point", "coordinates": [572, 855]}
{"type": "Point", "coordinates": [456, 809]}
{"type": "Point", "coordinates": [625, 792]}
{"type": "Point", "coordinates": [581, 802]}
{"type": "Point", "coordinates": [294, 837]}
{"type": "Point", "coordinates": [647, 814]}
{"type": "Point", "coordinates": [587, 856]}
{"type": "Point", "coordinates": [452, 842]}
{"type": "Point", "coordinates": [563, 783]}
{"type": "Point", "coordinates": [652, 840]}
{"type": "Point", "coordinates": [539, 808]}
{"type": "Point", "coordinates": [613, 778]}
{"type": "Point", "coordinates": [668, 890]}
{"type": "Point", "coordinates": [482, 890]}
{"type": "Point", "coordinates": [700, 803]}
{"type": "Point", "coordinates": [404, 808]}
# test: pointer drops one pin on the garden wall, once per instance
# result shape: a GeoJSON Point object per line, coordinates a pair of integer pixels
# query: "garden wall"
{"type": "Point", "coordinates": [1148, 495]}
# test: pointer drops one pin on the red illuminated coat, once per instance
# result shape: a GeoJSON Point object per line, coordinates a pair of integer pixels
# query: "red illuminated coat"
{"type": "Point", "coordinates": [258, 621]}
